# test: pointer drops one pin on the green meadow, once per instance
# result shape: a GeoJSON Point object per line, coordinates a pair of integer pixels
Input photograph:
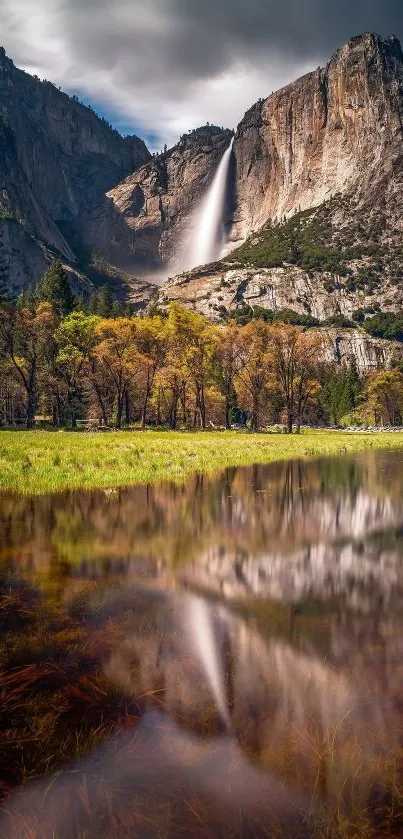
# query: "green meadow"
{"type": "Point", "coordinates": [35, 462]}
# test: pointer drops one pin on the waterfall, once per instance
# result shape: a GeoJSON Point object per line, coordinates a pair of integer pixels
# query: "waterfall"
{"type": "Point", "coordinates": [208, 235]}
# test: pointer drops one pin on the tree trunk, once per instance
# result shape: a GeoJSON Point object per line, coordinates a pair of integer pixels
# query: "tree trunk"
{"type": "Point", "coordinates": [119, 411]}
{"type": "Point", "coordinates": [101, 404]}
{"type": "Point", "coordinates": [255, 415]}
{"type": "Point", "coordinates": [227, 413]}
{"type": "Point", "coordinates": [31, 403]}
{"type": "Point", "coordinates": [202, 405]}
{"type": "Point", "coordinates": [127, 408]}
{"type": "Point", "coordinates": [184, 408]}
{"type": "Point", "coordinates": [145, 402]}
{"type": "Point", "coordinates": [173, 413]}
{"type": "Point", "coordinates": [159, 407]}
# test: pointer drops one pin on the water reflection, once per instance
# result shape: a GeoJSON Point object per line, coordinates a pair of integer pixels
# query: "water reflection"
{"type": "Point", "coordinates": [223, 658]}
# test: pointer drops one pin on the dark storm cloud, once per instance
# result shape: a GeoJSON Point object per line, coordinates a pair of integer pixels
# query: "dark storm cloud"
{"type": "Point", "coordinates": [170, 64]}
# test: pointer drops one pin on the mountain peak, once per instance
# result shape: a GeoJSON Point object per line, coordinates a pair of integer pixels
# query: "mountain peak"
{"type": "Point", "coordinates": [372, 40]}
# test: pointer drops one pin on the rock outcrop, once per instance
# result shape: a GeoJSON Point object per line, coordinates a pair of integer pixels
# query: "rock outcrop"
{"type": "Point", "coordinates": [216, 291]}
{"type": "Point", "coordinates": [222, 287]}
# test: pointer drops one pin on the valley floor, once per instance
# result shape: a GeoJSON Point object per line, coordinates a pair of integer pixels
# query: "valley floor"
{"type": "Point", "coordinates": [36, 462]}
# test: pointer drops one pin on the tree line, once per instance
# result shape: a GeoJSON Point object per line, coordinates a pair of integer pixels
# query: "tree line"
{"type": "Point", "coordinates": [67, 362]}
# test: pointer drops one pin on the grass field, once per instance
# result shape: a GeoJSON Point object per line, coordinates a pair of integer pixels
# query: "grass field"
{"type": "Point", "coordinates": [34, 462]}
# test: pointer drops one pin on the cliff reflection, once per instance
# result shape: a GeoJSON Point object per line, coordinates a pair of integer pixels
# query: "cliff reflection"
{"type": "Point", "coordinates": [295, 504]}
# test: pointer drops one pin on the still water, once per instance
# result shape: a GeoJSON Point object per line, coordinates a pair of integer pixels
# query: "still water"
{"type": "Point", "coordinates": [222, 659]}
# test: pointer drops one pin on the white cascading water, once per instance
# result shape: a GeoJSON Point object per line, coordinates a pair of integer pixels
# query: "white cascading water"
{"type": "Point", "coordinates": [208, 237]}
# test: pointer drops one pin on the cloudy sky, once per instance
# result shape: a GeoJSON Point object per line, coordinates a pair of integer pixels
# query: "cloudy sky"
{"type": "Point", "coordinates": [161, 67]}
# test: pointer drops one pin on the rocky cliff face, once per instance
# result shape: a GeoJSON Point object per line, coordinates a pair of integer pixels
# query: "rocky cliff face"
{"type": "Point", "coordinates": [335, 129]}
{"type": "Point", "coordinates": [56, 157]}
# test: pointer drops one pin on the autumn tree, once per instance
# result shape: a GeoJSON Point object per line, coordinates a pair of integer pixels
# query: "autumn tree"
{"type": "Point", "coordinates": [383, 397]}
{"type": "Point", "coordinates": [76, 338]}
{"type": "Point", "coordinates": [253, 376]}
{"type": "Point", "coordinates": [191, 343]}
{"type": "Point", "coordinates": [230, 360]}
{"type": "Point", "coordinates": [151, 344]}
{"type": "Point", "coordinates": [172, 380]}
{"type": "Point", "coordinates": [293, 356]}
{"type": "Point", "coordinates": [23, 337]}
{"type": "Point", "coordinates": [116, 353]}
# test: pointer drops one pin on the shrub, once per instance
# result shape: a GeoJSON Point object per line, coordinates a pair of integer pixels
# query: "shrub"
{"type": "Point", "coordinates": [386, 325]}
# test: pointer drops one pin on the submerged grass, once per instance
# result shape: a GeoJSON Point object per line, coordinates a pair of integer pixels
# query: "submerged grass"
{"type": "Point", "coordinates": [35, 462]}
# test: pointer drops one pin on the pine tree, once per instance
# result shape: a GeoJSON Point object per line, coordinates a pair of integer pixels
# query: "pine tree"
{"type": "Point", "coordinates": [117, 309]}
{"type": "Point", "coordinates": [54, 288]}
{"type": "Point", "coordinates": [93, 303]}
{"type": "Point", "coordinates": [28, 298]}
{"type": "Point", "coordinates": [104, 303]}
{"type": "Point", "coordinates": [355, 384]}
{"type": "Point", "coordinates": [80, 304]}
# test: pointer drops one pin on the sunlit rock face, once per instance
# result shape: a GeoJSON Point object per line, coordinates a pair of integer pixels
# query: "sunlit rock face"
{"type": "Point", "coordinates": [335, 128]}
{"type": "Point", "coordinates": [226, 286]}
{"type": "Point", "coordinates": [334, 131]}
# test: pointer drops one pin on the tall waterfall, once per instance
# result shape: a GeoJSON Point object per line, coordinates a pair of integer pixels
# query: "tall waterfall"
{"type": "Point", "coordinates": [208, 234]}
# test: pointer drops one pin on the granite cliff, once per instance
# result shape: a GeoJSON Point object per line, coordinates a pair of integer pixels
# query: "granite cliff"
{"type": "Point", "coordinates": [336, 132]}
{"type": "Point", "coordinates": [316, 222]}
